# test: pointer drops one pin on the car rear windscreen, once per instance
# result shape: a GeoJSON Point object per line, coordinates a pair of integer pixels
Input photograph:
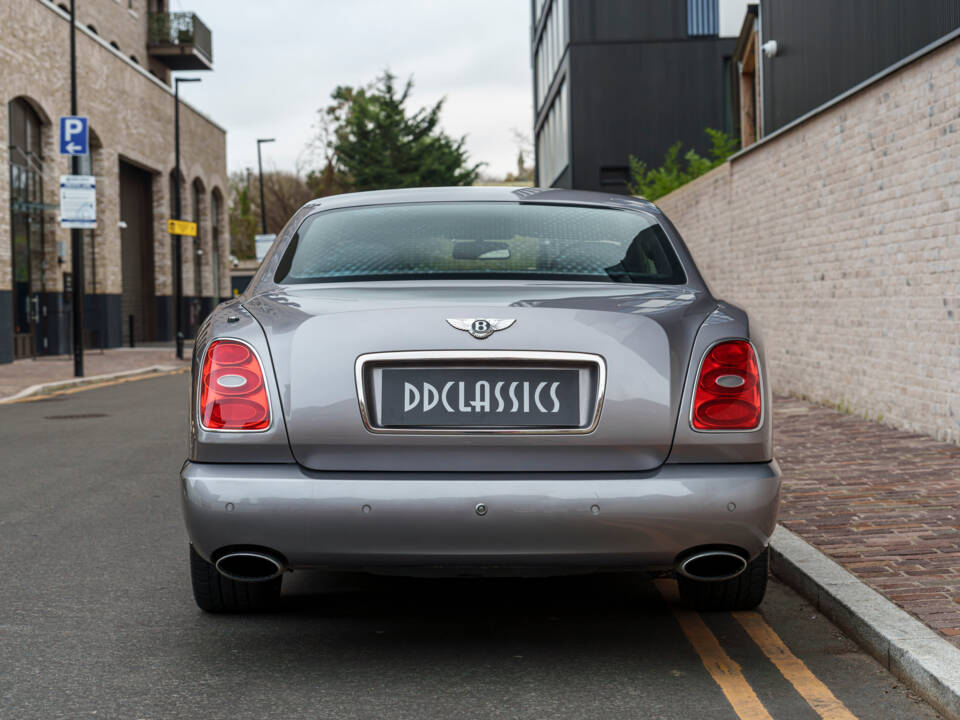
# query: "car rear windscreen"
{"type": "Point", "coordinates": [487, 240]}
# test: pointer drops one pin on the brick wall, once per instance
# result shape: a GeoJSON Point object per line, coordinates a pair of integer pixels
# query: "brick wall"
{"type": "Point", "coordinates": [131, 118]}
{"type": "Point", "coordinates": [841, 237]}
{"type": "Point", "coordinates": [117, 21]}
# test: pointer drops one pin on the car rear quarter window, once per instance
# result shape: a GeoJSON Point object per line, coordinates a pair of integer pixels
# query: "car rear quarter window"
{"type": "Point", "coordinates": [480, 241]}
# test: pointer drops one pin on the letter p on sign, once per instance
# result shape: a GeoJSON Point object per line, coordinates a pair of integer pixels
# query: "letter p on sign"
{"type": "Point", "coordinates": [74, 135]}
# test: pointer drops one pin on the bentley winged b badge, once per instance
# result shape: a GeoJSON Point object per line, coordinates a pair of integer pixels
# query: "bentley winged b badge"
{"type": "Point", "coordinates": [481, 328]}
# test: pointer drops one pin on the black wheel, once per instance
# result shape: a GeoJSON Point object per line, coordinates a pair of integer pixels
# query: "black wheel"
{"type": "Point", "coordinates": [743, 592]}
{"type": "Point", "coordinates": [217, 594]}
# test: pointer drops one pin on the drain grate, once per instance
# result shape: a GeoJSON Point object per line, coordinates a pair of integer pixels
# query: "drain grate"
{"type": "Point", "coordinates": [78, 416]}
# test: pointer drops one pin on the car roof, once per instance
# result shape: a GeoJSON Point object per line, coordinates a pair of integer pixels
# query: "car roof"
{"type": "Point", "coordinates": [559, 196]}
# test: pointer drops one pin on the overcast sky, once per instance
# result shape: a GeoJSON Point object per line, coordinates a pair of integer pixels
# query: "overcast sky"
{"type": "Point", "coordinates": [276, 63]}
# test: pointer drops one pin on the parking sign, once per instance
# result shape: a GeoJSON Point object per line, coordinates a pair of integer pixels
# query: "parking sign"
{"type": "Point", "coordinates": [78, 201]}
{"type": "Point", "coordinates": [74, 135]}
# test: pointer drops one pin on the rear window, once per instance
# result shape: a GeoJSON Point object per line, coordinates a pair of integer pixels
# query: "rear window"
{"type": "Point", "coordinates": [480, 241]}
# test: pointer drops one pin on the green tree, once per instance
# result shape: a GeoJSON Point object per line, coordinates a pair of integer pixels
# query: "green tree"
{"type": "Point", "coordinates": [284, 192]}
{"type": "Point", "coordinates": [373, 143]}
{"type": "Point", "coordinates": [243, 219]}
{"type": "Point", "coordinates": [654, 183]}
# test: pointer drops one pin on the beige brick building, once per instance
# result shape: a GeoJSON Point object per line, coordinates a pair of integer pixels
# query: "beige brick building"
{"type": "Point", "coordinates": [125, 50]}
{"type": "Point", "coordinates": [841, 236]}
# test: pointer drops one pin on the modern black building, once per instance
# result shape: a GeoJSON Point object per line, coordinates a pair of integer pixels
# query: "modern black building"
{"type": "Point", "coordinates": [791, 57]}
{"type": "Point", "coordinates": [619, 77]}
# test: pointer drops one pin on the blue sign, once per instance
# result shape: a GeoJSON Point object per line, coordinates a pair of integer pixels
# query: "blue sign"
{"type": "Point", "coordinates": [74, 135]}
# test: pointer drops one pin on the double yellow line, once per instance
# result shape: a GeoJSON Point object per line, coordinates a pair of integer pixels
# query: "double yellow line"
{"type": "Point", "coordinates": [728, 675]}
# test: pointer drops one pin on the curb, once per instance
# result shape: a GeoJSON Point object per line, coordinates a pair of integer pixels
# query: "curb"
{"type": "Point", "coordinates": [914, 653]}
{"type": "Point", "coordinates": [49, 387]}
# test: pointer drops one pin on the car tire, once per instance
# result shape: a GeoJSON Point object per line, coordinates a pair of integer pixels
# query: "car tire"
{"type": "Point", "coordinates": [215, 593]}
{"type": "Point", "coordinates": [743, 592]}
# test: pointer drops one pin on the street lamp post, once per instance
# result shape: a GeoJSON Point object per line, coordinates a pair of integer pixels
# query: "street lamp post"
{"type": "Point", "coordinates": [178, 210]}
{"type": "Point", "coordinates": [76, 236]}
{"type": "Point", "coordinates": [263, 209]}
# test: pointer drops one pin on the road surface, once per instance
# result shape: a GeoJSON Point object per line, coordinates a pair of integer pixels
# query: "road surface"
{"type": "Point", "coordinates": [97, 618]}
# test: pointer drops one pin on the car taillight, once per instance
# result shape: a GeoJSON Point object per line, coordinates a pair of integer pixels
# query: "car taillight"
{"type": "Point", "coordinates": [233, 395]}
{"type": "Point", "coordinates": [728, 394]}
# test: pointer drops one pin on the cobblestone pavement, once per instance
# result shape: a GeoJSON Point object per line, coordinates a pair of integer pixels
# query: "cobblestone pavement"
{"type": "Point", "coordinates": [21, 374]}
{"type": "Point", "coordinates": [882, 502]}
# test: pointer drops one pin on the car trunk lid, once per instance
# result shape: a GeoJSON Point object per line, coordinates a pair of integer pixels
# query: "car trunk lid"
{"type": "Point", "coordinates": [630, 350]}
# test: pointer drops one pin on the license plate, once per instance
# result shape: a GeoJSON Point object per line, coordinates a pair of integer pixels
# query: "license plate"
{"type": "Point", "coordinates": [474, 397]}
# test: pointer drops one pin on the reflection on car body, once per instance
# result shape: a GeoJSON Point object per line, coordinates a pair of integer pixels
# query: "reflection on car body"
{"type": "Point", "coordinates": [404, 357]}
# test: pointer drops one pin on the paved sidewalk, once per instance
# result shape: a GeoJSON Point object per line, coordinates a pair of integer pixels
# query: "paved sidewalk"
{"type": "Point", "coordinates": [883, 503]}
{"type": "Point", "coordinates": [22, 374]}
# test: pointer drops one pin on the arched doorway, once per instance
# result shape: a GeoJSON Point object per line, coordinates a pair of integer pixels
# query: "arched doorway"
{"type": "Point", "coordinates": [170, 320]}
{"type": "Point", "coordinates": [216, 208]}
{"type": "Point", "coordinates": [136, 256]}
{"type": "Point", "coordinates": [26, 215]}
{"type": "Point", "coordinates": [197, 208]}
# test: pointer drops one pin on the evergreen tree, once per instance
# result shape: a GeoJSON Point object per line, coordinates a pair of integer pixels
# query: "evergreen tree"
{"type": "Point", "coordinates": [374, 144]}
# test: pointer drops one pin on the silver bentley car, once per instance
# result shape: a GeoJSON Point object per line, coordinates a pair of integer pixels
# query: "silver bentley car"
{"type": "Point", "coordinates": [479, 381]}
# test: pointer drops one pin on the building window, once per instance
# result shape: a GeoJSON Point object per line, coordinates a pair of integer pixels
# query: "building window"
{"type": "Point", "coordinates": [215, 243]}
{"type": "Point", "coordinates": [197, 197]}
{"type": "Point", "coordinates": [134, 59]}
{"type": "Point", "coordinates": [703, 17]}
{"type": "Point", "coordinates": [550, 49]}
{"type": "Point", "coordinates": [26, 215]}
{"type": "Point", "coordinates": [92, 29]}
{"type": "Point", "coordinates": [113, 44]}
{"type": "Point", "coordinates": [173, 238]}
{"type": "Point", "coordinates": [553, 144]}
{"type": "Point", "coordinates": [538, 9]}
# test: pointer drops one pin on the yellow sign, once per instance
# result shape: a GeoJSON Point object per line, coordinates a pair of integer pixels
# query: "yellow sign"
{"type": "Point", "coordinates": [182, 227]}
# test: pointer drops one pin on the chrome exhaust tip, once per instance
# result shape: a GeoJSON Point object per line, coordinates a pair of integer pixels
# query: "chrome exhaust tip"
{"type": "Point", "coordinates": [249, 566]}
{"type": "Point", "coordinates": [712, 565]}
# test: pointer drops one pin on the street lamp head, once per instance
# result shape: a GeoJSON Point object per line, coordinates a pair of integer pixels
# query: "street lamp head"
{"type": "Point", "coordinates": [182, 79]}
{"type": "Point", "coordinates": [263, 140]}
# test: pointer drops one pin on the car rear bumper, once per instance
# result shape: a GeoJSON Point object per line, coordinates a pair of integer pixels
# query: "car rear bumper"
{"type": "Point", "coordinates": [367, 520]}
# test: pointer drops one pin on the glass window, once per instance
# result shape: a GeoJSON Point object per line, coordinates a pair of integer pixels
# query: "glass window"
{"type": "Point", "coordinates": [26, 215]}
{"type": "Point", "coordinates": [549, 51]}
{"type": "Point", "coordinates": [215, 243]}
{"type": "Point", "coordinates": [703, 17]}
{"type": "Point", "coordinates": [480, 241]}
{"type": "Point", "coordinates": [538, 9]}
{"type": "Point", "coordinates": [173, 238]}
{"type": "Point", "coordinates": [197, 195]}
{"type": "Point", "coordinates": [553, 149]}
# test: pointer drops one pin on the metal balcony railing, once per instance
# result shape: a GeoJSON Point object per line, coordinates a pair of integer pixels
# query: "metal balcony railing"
{"type": "Point", "coordinates": [180, 29]}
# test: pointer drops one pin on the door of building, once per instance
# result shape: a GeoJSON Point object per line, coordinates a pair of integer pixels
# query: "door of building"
{"type": "Point", "coordinates": [26, 215]}
{"type": "Point", "coordinates": [136, 243]}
